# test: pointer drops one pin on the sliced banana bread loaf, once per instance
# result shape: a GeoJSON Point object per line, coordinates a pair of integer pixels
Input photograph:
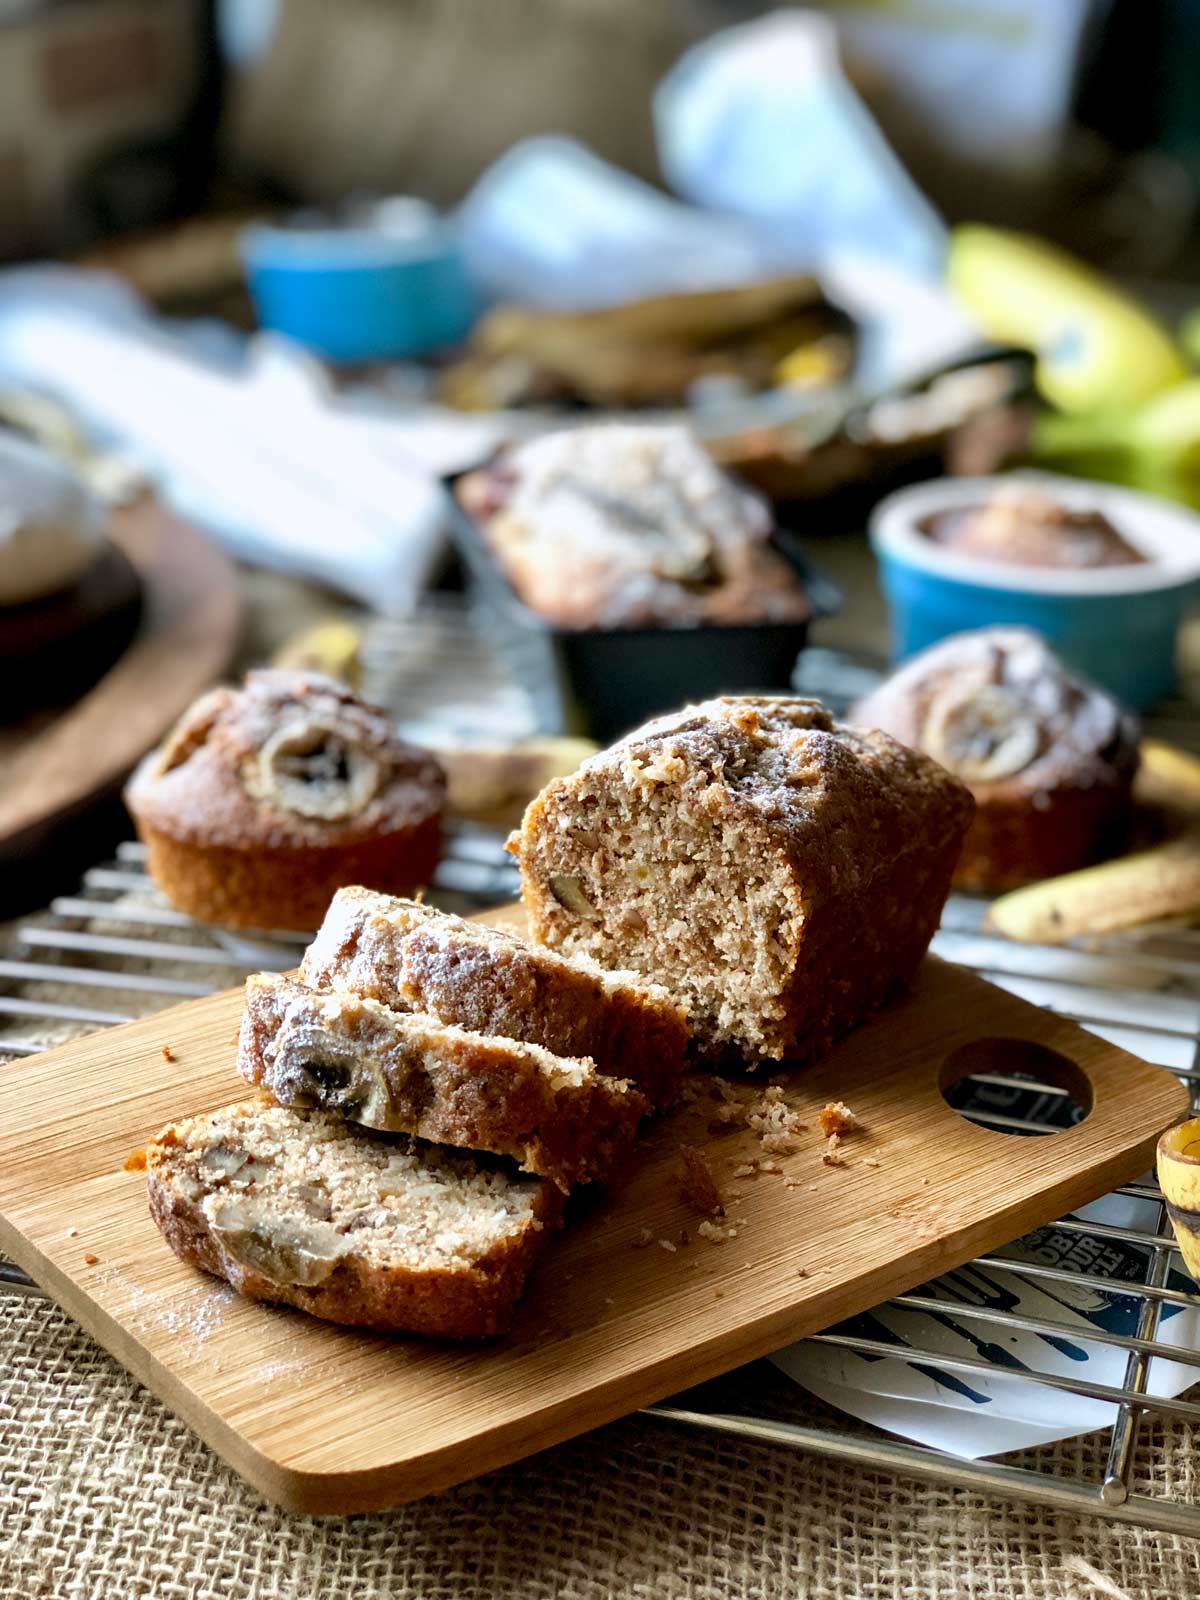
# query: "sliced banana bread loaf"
{"type": "Point", "coordinates": [406, 1072]}
{"type": "Point", "coordinates": [357, 1227]}
{"type": "Point", "coordinates": [782, 872]}
{"type": "Point", "coordinates": [490, 981]}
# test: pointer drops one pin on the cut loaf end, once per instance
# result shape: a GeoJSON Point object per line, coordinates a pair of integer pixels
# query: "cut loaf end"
{"type": "Point", "coordinates": [374, 1230]}
{"type": "Point", "coordinates": [782, 873]}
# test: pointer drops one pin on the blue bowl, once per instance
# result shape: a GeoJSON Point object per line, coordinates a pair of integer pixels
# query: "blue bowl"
{"type": "Point", "coordinates": [1115, 625]}
{"type": "Point", "coordinates": [360, 293]}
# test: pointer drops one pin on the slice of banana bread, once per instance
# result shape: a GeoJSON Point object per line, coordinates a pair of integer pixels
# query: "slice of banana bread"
{"type": "Point", "coordinates": [782, 872]}
{"type": "Point", "coordinates": [356, 1227]}
{"type": "Point", "coordinates": [406, 954]}
{"type": "Point", "coordinates": [406, 1072]}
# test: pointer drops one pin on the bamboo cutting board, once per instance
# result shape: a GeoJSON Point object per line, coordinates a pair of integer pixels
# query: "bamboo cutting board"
{"type": "Point", "coordinates": [325, 1419]}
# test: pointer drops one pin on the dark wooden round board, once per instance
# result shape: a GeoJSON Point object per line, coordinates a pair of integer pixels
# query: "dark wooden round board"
{"type": "Point", "coordinates": [58, 765]}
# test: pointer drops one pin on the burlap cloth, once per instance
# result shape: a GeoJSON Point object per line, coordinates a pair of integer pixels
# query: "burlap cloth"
{"type": "Point", "coordinates": [104, 1495]}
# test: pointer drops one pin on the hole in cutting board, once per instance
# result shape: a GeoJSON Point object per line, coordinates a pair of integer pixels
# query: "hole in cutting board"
{"type": "Point", "coordinates": [1015, 1086]}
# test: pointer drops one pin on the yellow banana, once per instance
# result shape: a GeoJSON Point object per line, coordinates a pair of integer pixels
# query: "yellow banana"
{"type": "Point", "coordinates": [493, 783]}
{"type": "Point", "coordinates": [1168, 779]}
{"type": "Point", "coordinates": [1097, 349]}
{"type": "Point", "coordinates": [331, 647]}
{"type": "Point", "coordinates": [1146, 886]}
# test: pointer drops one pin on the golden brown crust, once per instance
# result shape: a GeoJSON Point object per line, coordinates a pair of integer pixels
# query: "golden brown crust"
{"type": "Point", "coordinates": [290, 889]}
{"type": "Point", "coordinates": [262, 801]}
{"type": "Point", "coordinates": [783, 872]}
{"type": "Point", "coordinates": [406, 1072]}
{"type": "Point", "coordinates": [492, 982]}
{"type": "Point", "coordinates": [1049, 757]}
{"type": "Point", "coordinates": [459, 1299]}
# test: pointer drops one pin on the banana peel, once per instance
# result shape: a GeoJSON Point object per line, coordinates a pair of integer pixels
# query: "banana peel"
{"type": "Point", "coordinates": [1096, 348]}
{"type": "Point", "coordinates": [1179, 1178]}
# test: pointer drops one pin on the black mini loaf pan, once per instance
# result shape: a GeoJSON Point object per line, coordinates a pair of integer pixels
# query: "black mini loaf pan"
{"type": "Point", "coordinates": [602, 682]}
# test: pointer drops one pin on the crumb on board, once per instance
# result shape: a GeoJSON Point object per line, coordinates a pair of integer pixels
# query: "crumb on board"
{"type": "Point", "coordinates": [778, 1127]}
{"type": "Point", "coordinates": [696, 1181]}
{"type": "Point", "coordinates": [168, 1053]}
{"type": "Point", "coordinates": [837, 1117]}
{"type": "Point", "coordinates": [72, 1233]}
{"type": "Point", "coordinates": [135, 1161]}
{"type": "Point", "coordinates": [91, 1258]}
{"type": "Point", "coordinates": [668, 1244]}
{"type": "Point", "coordinates": [925, 1180]}
{"type": "Point", "coordinates": [609, 1301]}
{"type": "Point", "coordinates": [871, 1161]}
{"type": "Point", "coordinates": [717, 1232]}
{"type": "Point", "coordinates": [802, 1272]}
{"type": "Point", "coordinates": [644, 1237]}
{"type": "Point", "coordinates": [833, 1156]}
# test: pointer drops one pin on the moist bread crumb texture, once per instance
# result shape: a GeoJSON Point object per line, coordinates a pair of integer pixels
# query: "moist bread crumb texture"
{"type": "Point", "coordinates": [265, 799]}
{"type": "Point", "coordinates": [407, 955]}
{"type": "Point", "coordinates": [381, 1231]}
{"type": "Point", "coordinates": [410, 1072]}
{"type": "Point", "coordinates": [780, 872]}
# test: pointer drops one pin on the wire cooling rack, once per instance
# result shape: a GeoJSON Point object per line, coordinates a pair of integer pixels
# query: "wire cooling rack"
{"type": "Point", "coordinates": [121, 948]}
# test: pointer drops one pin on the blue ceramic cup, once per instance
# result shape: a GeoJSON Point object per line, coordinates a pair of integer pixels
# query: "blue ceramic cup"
{"type": "Point", "coordinates": [1115, 625]}
{"type": "Point", "coordinates": [361, 293]}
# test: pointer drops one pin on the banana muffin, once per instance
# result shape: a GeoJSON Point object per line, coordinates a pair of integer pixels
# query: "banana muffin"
{"type": "Point", "coordinates": [782, 873]}
{"type": "Point", "coordinates": [264, 800]}
{"type": "Point", "coordinates": [1049, 757]}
